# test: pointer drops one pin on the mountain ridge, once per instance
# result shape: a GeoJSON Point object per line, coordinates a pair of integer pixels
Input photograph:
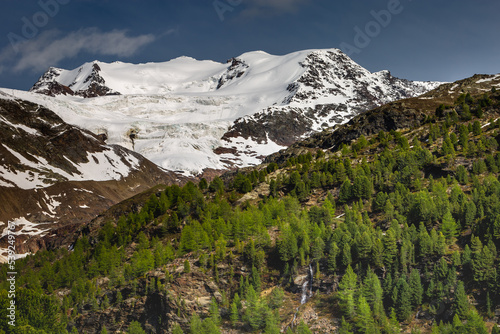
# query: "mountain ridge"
{"type": "Point", "coordinates": [191, 115]}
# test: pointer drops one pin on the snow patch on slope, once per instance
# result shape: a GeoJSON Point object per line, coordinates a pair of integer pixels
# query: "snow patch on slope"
{"type": "Point", "coordinates": [101, 166]}
{"type": "Point", "coordinates": [23, 227]}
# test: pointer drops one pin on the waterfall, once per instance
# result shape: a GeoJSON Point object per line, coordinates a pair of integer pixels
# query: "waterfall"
{"type": "Point", "coordinates": [306, 293]}
{"type": "Point", "coordinates": [307, 286]}
{"type": "Point", "coordinates": [303, 298]}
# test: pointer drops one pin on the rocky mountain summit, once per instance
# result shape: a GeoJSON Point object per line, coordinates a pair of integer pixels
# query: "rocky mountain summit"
{"type": "Point", "coordinates": [190, 115]}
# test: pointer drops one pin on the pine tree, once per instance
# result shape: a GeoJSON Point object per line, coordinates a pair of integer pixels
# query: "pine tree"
{"type": "Point", "coordinates": [213, 309]}
{"type": "Point", "coordinates": [475, 324]}
{"type": "Point", "coordinates": [135, 328]}
{"type": "Point", "coordinates": [287, 244]}
{"type": "Point", "coordinates": [449, 227]}
{"type": "Point", "coordinates": [440, 245]}
{"type": "Point", "coordinates": [346, 255]}
{"type": "Point", "coordinates": [394, 327]}
{"type": "Point", "coordinates": [372, 291]}
{"type": "Point", "coordinates": [317, 249]}
{"type": "Point", "coordinates": [388, 287]}
{"type": "Point", "coordinates": [460, 301]}
{"type": "Point", "coordinates": [345, 327]}
{"type": "Point", "coordinates": [403, 300]}
{"type": "Point", "coordinates": [347, 289]}
{"type": "Point", "coordinates": [235, 315]}
{"type": "Point", "coordinates": [378, 254]}
{"type": "Point", "coordinates": [496, 228]}
{"type": "Point", "coordinates": [457, 324]}
{"type": "Point", "coordinates": [390, 247]}
{"type": "Point", "coordinates": [195, 324]}
{"type": "Point", "coordinates": [364, 246]}
{"type": "Point", "coordinates": [476, 128]}
{"type": "Point", "coordinates": [177, 329]}
{"type": "Point", "coordinates": [489, 312]}
{"type": "Point", "coordinates": [483, 265]}
{"type": "Point", "coordinates": [329, 206]}
{"type": "Point", "coordinates": [209, 327]}
{"type": "Point", "coordinates": [303, 328]}
{"type": "Point", "coordinates": [416, 288]}
{"type": "Point", "coordinates": [272, 324]}
{"type": "Point", "coordinates": [187, 266]}
{"type": "Point", "coordinates": [332, 256]}
{"type": "Point", "coordinates": [365, 318]}
{"type": "Point", "coordinates": [256, 282]}
{"type": "Point", "coordinates": [237, 301]}
{"type": "Point", "coordinates": [345, 192]}
{"type": "Point", "coordinates": [203, 184]}
{"type": "Point", "coordinates": [252, 312]}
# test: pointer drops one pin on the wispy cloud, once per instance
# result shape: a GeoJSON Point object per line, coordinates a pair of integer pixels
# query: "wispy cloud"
{"type": "Point", "coordinates": [51, 47]}
{"type": "Point", "coordinates": [169, 32]}
{"type": "Point", "coordinates": [271, 7]}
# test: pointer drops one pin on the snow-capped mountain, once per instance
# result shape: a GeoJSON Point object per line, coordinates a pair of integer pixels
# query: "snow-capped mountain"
{"type": "Point", "coordinates": [55, 176]}
{"type": "Point", "coordinates": [189, 115]}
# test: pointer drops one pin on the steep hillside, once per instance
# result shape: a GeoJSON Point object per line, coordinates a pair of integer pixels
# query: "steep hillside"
{"type": "Point", "coordinates": [395, 231]}
{"type": "Point", "coordinates": [399, 115]}
{"type": "Point", "coordinates": [189, 115]}
{"type": "Point", "coordinates": [55, 176]}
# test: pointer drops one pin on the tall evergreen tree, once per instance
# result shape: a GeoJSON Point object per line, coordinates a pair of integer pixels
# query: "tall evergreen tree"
{"type": "Point", "coordinates": [483, 265]}
{"type": "Point", "coordinates": [390, 247]}
{"type": "Point", "coordinates": [195, 324]}
{"type": "Point", "coordinates": [177, 329]}
{"type": "Point", "coordinates": [214, 311]}
{"type": "Point", "coordinates": [252, 313]}
{"type": "Point", "coordinates": [403, 299]}
{"type": "Point", "coordinates": [303, 328]}
{"type": "Point", "coordinates": [345, 192]}
{"type": "Point", "coordinates": [346, 255]}
{"type": "Point", "coordinates": [272, 324]}
{"type": "Point", "coordinates": [416, 288]}
{"type": "Point", "coordinates": [347, 289]}
{"type": "Point", "coordinates": [235, 314]}
{"type": "Point", "coordinates": [475, 323]}
{"type": "Point", "coordinates": [365, 319]}
{"type": "Point", "coordinates": [372, 291]}
{"type": "Point", "coordinates": [449, 227]}
{"type": "Point", "coordinates": [345, 327]}
{"type": "Point", "coordinates": [460, 301]}
{"type": "Point", "coordinates": [332, 256]}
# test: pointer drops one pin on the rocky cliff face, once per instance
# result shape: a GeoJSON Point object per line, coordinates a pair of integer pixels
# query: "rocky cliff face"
{"type": "Point", "coordinates": [54, 176]}
{"type": "Point", "coordinates": [93, 83]}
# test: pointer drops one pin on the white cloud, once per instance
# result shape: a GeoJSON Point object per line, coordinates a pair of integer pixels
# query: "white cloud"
{"type": "Point", "coordinates": [50, 47]}
{"type": "Point", "coordinates": [170, 32]}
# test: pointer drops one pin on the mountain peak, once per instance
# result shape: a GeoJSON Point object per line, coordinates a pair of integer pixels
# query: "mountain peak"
{"type": "Point", "coordinates": [193, 114]}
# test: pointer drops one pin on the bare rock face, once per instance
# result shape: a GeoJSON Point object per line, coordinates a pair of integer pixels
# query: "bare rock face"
{"type": "Point", "coordinates": [234, 71]}
{"type": "Point", "coordinates": [93, 84]}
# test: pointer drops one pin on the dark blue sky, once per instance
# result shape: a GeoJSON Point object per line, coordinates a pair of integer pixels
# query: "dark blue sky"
{"type": "Point", "coordinates": [414, 39]}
